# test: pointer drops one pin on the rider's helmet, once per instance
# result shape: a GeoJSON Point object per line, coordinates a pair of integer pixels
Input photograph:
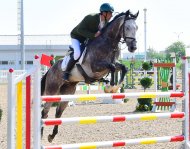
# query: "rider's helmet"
{"type": "Point", "coordinates": [106, 7]}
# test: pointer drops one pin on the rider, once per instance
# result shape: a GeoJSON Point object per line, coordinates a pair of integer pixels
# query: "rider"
{"type": "Point", "coordinates": [88, 28]}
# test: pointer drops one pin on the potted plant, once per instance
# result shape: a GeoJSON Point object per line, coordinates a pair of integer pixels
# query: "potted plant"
{"type": "Point", "coordinates": [145, 104]}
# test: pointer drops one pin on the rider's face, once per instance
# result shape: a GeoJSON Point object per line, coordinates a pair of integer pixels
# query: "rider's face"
{"type": "Point", "coordinates": [108, 15]}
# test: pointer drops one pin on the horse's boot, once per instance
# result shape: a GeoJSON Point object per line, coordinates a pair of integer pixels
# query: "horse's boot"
{"type": "Point", "coordinates": [70, 65]}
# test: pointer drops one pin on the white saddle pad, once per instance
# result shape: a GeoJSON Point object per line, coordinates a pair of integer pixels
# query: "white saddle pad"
{"type": "Point", "coordinates": [67, 58]}
{"type": "Point", "coordinates": [82, 56]}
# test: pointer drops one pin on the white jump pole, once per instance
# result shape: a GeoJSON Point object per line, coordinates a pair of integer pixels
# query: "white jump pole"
{"type": "Point", "coordinates": [117, 143]}
{"type": "Point", "coordinates": [174, 83]}
{"type": "Point", "coordinates": [187, 98]}
{"type": "Point", "coordinates": [155, 79]}
{"type": "Point", "coordinates": [37, 105]}
{"type": "Point", "coordinates": [155, 86]}
{"type": "Point", "coordinates": [11, 111]}
{"type": "Point", "coordinates": [117, 118]}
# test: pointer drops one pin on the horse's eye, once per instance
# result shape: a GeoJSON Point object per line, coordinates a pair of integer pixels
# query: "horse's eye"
{"type": "Point", "coordinates": [127, 28]}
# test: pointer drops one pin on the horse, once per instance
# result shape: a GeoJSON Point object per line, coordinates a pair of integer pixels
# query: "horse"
{"type": "Point", "coordinates": [100, 58]}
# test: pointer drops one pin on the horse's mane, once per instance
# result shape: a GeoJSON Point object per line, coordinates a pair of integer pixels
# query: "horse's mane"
{"type": "Point", "coordinates": [109, 23]}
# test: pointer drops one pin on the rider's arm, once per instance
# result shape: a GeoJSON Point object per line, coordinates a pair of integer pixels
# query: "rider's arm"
{"type": "Point", "coordinates": [97, 34]}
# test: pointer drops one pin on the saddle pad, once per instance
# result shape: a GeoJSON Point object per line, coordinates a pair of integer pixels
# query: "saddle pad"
{"type": "Point", "coordinates": [67, 58]}
{"type": "Point", "coordinates": [82, 56]}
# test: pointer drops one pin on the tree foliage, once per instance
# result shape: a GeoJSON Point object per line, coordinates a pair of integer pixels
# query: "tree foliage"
{"type": "Point", "coordinates": [152, 54]}
{"type": "Point", "coordinates": [146, 82]}
{"type": "Point", "coordinates": [146, 66]}
{"type": "Point", "coordinates": [178, 48]}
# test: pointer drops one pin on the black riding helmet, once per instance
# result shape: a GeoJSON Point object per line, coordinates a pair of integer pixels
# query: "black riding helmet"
{"type": "Point", "coordinates": [106, 7]}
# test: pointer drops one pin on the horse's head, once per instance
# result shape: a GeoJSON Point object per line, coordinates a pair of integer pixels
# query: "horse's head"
{"type": "Point", "coordinates": [123, 26]}
{"type": "Point", "coordinates": [129, 30]}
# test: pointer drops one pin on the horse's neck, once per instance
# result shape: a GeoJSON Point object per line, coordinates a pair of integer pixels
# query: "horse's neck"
{"type": "Point", "coordinates": [106, 43]}
{"type": "Point", "coordinates": [114, 31]}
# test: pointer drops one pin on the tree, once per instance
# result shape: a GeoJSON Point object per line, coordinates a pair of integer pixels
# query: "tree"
{"type": "Point", "coordinates": [178, 48]}
{"type": "Point", "coordinates": [152, 54]}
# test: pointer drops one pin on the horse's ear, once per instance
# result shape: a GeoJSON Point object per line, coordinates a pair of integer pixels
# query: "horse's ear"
{"type": "Point", "coordinates": [136, 15]}
{"type": "Point", "coordinates": [127, 13]}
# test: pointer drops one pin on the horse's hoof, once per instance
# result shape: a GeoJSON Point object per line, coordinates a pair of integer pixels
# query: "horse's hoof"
{"type": "Point", "coordinates": [115, 89]}
{"type": "Point", "coordinates": [107, 89]}
{"type": "Point", "coordinates": [50, 139]}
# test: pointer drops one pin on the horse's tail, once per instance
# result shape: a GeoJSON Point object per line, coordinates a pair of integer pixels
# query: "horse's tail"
{"type": "Point", "coordinates": [43, 83]}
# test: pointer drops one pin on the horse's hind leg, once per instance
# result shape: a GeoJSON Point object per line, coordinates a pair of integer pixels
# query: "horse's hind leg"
{"type": "Point", "coordinates": [44, 114]}
{"type": "Point", "coordinates": [59, 110]}
{"type": "Point", "coordinates": [65, 89]}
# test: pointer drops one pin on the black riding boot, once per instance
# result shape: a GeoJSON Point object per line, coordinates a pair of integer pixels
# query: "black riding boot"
{"type": "Point", "coordinates": [70, 65]}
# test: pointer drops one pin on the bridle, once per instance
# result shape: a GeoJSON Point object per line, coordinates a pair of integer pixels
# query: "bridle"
{"type": "Point", "coordinates": [121, 36]}
{"type": "Point", "coordinates": [123, 28]}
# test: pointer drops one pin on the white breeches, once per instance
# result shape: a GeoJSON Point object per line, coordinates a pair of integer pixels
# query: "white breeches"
{"type": "Point", "coordinates": [76, 46]}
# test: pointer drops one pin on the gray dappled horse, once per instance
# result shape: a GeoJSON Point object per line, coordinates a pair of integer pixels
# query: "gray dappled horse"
{"type": "Point", "coordinates": [101, 57]}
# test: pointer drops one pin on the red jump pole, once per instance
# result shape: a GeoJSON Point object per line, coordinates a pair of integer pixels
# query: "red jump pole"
{"type": "Point", "coordinates": [28, 112]}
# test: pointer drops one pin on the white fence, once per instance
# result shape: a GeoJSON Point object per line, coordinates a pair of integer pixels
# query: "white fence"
{"type": "Point", "coordinates": [4, 74]}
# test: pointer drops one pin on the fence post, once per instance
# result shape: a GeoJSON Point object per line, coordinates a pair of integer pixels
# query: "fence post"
{"type": "Point", "coordinates": [11, 111]}
{"type": "Point", "coordinates": [186, 102]}
{"type": "Point", "coordinates": [37, 104]}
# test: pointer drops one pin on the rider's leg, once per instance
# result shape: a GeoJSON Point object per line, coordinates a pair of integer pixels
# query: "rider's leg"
{"type": "Point", "coordinates": [73, 59]}
{"type": "Point", "coordinates": [76, 46]}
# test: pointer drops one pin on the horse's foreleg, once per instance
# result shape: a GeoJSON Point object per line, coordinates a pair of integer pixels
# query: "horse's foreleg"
{"type": "Point", "coordinates": [101, 65]}
{"type": "Point", "coordinates": [44, 113]}
{"type": "Point", "coordinates": [112, 69]}
{"type": "Point", "coordinates": [59, 110]}
{"type": "Point", "coordinates": [112, 78]}
{"type": "Point", "coordinates": [123, 70]}
{"type": "Point", "coordinates": [111, 88]}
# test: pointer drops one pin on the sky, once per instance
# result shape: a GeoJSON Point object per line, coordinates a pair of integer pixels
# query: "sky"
{"type": "Point", "coordinates": [167, 20]}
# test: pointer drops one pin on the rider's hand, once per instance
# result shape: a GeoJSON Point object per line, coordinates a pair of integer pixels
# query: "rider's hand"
{"type": "Point", "coordinates": [97, 34]}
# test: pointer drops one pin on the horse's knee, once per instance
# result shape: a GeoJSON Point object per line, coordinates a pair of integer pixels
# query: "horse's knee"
{"type": "Point", "coordinates": [58, 113]}
{"type": "Point", "coordinates": [112, 67]}
{"type": "Point", "coordinates": [124, 69]}
{"type": "Point", "coordinates": [46, 109]}
{"type": "Point", "coordinates": [112, 83]}
{"type": "Point", "coordinates": [60, 109]}
{"type": "Point", "coordinates": [44, 114]}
